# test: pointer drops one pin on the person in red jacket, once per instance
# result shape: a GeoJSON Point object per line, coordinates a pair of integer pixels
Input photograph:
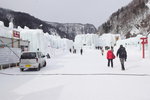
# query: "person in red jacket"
{"type": "Point", "coordinates": [110, 57]}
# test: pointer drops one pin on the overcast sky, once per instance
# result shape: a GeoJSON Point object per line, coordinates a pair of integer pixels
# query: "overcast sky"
{"type": "Point", "coordinates": [67, 11]}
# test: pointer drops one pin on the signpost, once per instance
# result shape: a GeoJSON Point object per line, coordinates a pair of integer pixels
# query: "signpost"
{"type": "Point", "coordinates": [144, 41]}
{"type": "Point", "coordinates": [16, 35]}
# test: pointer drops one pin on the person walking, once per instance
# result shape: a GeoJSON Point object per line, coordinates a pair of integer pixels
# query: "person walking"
{"type": "Point", "coordinates": [121, 52]}
{"type": "Point", "coordinates": [48, 56]}
{"type": "Point", "coordinates": [81, 51]}
{"type": "Point", "coordinates": [102, 51]}
{"type": "Point", "coordinates": [70, 50]}
{"type": "Point", "coordinates": [110, 57]}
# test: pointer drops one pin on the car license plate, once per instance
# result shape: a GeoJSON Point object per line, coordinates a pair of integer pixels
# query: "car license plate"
{"type": "Point", "coordinates": [28, 65]}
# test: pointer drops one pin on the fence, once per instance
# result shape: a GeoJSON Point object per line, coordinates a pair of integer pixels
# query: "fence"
{"type": "Point", "coordinates": [9, 56]}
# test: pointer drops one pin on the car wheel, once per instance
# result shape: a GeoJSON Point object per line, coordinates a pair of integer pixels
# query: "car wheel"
{"type": "Point", "coordinates": [39, 67]}
{"type": "Point", "coordinates": [21, 69]}
{"type": "Point", "coordinates": [44, 64]}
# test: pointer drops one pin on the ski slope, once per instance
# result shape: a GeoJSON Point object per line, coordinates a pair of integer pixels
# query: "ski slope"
{"type": "Point", "coordinates": [80, 77]}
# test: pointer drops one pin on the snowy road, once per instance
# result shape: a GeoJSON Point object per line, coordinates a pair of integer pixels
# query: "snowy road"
{"type": "Point", "coordinates": [76, 77]}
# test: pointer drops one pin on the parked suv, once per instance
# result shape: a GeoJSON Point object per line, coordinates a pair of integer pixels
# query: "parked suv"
{"type": "Point", "coordinates": [32, 60]}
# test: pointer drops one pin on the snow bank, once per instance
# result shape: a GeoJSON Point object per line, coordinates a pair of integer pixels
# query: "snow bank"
{"type": "Point", "coordinates": [93, 40]}
{"type": "Point", "coordinates": [57, 42]}
{"type": "Point", "coordinates": [38, 39]}
{"type": "Point", "coordinates": [135, 41]}
{"type": "Point", "coordinates": [104, 40]}
{"type": "Point", "coordinates": [6, 31]}
{"type": "Point", "coordinates": [108, 39]}
{"type": "Point", "coordinates": [86, 40]}
{"type": "Point", "coordinates": [131, 43]}
{"type": "Point", "coordinates": [44, 41]}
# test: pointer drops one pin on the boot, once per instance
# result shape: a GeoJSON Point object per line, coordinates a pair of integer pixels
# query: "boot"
{"type": "Point", "coordinates": [122, 65]}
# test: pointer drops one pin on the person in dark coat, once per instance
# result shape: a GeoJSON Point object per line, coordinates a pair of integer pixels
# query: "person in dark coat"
{"type": "Point", "coordinates": [110, 57]}
{"type": "Point", "coordinates": [48, 56]}
{"type": "Point", "coordinates": [70, 50]}
{"type": "Point", "coordinates": [74, 51]}
{"type": "Point", "coordinates": [122, 55]}
{"type": "Point", "coordinates": [81, 51]}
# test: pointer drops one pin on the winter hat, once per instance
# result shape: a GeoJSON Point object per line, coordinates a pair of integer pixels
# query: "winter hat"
{"type": "Point", "coordinates": [121, 45]}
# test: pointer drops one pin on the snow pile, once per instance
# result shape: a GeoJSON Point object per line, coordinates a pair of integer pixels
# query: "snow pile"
{"type": "Point", "coordinates": [57, 42]}
{"type": "Point", "coordinates": [36, 38]}
{"type": "Point", "coordinates": [6, 31]}
{"type": "Point", "coordinates": [108, 39]}
{"type": "Point", "coordinates": [130, 43]}
{"type": "Point", "coordinates": [93, 40]}
{"type": "Point", "coordinates": [44, 41]}
{"type": "Point", "coordinates": [135, 41]}
{"type": "Point", "coordinates": [86, 40]}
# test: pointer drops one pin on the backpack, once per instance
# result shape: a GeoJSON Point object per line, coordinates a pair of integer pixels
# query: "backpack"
{"type": "Point", "coordinates": [122, 53]}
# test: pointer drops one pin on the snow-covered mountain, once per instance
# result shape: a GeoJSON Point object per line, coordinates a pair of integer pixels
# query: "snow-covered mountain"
{"type": "Point", "coordinates": [129, 21]}
{"type": "Point", "coordinates": [73, 29]}
{"type": "Point", "coordinates": [23, 19]}
{"type": "Point", "coordinates": [68, 30]}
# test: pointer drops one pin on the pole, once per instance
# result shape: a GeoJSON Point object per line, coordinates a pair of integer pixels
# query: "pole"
{"type": "Point", "coordinates": [143, 50]}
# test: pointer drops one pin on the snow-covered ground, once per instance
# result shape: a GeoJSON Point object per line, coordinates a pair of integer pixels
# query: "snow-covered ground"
{"type": "Point", "coordinates": [80, 77]}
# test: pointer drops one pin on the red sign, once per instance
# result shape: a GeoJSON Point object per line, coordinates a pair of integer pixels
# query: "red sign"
{"type": "Point", "coordinates": [144, 40]}
{"type": "Point", "coordinates": [16, 34]}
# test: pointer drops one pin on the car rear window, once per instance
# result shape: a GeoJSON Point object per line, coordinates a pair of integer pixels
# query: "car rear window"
{"type": "Point", "coordinates": [30, 55]}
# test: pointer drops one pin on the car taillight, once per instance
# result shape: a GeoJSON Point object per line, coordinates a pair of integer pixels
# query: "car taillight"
{"type": "Point", "coordinates": [36, 59]}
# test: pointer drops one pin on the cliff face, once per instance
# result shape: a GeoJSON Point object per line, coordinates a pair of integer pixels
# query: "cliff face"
{"type": "Point", "coordinates": [73, 29]}
{"type": "Point", "coordinates": [129, 21]}
{"type": "Point", "coordinates": [68, 30]}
